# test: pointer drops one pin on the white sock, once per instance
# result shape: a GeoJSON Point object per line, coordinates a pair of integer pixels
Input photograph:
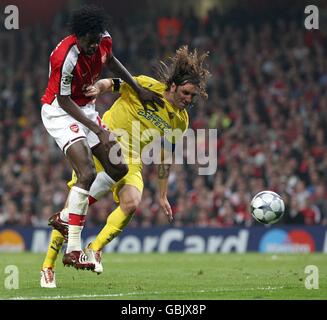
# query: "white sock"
{"type": "Point", "coordinates": [78, 204]}
{"type": "Point", "coordinates": [101, 185]}
{"type": "Point", "coordinates": [74, 238]}
{"type": "Point", "coordinates": [64, 214]}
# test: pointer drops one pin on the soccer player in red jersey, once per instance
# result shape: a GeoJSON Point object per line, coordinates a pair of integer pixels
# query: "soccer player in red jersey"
{"type": "Point", "coordinates": [71, 119]}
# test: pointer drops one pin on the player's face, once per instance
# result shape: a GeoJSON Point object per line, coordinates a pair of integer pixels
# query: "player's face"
{"type": "Point", "coordinates": [90, 43]}
{"type": "Point", "coordinates": [183, 95]}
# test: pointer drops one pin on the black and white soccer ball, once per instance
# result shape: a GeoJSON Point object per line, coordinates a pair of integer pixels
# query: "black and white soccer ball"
{"type": "Point", "coordinates": [267, 207]}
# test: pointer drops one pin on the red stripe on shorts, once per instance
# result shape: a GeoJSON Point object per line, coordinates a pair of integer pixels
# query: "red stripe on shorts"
{"type": "Point", "coordinates": [92, 200]}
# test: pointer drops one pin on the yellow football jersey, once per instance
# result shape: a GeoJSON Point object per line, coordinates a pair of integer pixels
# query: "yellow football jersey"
{"type": "Point", "coordinates": [136, 127]}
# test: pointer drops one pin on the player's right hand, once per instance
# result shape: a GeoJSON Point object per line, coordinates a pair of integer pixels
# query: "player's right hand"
{"type": "Point", "coordinates": [148, 97]}
{"type": "Point", "coordinates": [166, 208]}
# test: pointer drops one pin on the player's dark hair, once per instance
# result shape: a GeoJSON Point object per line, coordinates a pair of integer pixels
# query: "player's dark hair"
{"type": "Point", "coordinates": [185, 67]}
{"type": "Point", "coordinates": [88, 19]}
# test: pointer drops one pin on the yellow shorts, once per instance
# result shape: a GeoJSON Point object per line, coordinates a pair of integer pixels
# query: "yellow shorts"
{"type": "Point", "coordinates": [133, 178]}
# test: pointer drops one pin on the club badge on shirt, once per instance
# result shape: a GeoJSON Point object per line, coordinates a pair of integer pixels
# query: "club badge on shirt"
{"type": "Point", "coordinates": [171, 115]}
{"type": "Point", "coordinates": [74, 127]}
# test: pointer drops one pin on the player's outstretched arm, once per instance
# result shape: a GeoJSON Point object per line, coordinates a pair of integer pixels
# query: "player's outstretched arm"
{"type": "Point", "coordinates": [100, 87]}
{"type": "Point", "coordinates": [146, 96]}
{"type": "Point", "coordinates": [163, 175]}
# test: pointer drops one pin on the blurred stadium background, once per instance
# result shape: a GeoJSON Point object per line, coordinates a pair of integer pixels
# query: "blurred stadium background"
{"type": "Point", "coordinates": [267, 98]}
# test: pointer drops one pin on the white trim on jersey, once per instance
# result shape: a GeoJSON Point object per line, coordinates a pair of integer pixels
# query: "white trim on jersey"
{"type": "Point", "coordinates": [49, 69]}
{"type": "Point", "coordinates": [66, 74]}
{"type": "Point", "coordinates": [105, 34]}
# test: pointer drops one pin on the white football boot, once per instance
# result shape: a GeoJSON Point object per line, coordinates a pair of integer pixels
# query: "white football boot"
{"type": "Point", "coordinates": [94, 257]}
{"type": "Point", "coordinates": [48, 278]}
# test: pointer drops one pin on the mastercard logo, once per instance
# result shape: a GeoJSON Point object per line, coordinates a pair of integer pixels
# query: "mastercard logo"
{"type": "Point", "coordinates": [12, 241]}
{"type": "Point", "coordinates": [281, 241]}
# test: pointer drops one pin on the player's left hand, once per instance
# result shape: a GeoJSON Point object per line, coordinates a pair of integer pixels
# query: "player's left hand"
{"type": "Point", "coordinates": [165, 206]}
{"type": "Point", "coordinates": [148, 97]}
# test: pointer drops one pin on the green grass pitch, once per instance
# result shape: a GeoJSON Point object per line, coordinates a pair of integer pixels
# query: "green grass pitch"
{"type": "Point", "coordinates": [173, 276]}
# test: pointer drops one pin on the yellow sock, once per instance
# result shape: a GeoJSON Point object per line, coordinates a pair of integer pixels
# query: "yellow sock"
{"type": "Point", "coordinates": [56, 241]}
{"type": "Point", "coordinates": [116, 222]}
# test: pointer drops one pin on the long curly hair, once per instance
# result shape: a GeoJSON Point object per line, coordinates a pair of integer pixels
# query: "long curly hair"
{"type": "Point", "coordinates": [185, 67]}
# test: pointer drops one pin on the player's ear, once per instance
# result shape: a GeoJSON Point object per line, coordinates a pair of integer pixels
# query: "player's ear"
{"type": "Point", "coordinates": [173, 87]}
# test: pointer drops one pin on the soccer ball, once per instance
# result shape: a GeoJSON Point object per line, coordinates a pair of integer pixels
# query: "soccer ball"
{"type": "Point", "coordinates": [267, 207]}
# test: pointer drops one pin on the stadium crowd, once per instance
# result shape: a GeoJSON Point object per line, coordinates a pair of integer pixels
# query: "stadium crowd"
{"type": "Point", "coordinates": [267, 98]}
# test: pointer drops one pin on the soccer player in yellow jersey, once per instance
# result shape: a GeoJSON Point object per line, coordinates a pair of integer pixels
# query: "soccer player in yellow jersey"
{"type": "Point", "coordinates": [179, 83]}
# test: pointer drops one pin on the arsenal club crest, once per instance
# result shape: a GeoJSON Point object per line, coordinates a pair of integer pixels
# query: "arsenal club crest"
{"type": "Point", "coordinates": [74, 127]}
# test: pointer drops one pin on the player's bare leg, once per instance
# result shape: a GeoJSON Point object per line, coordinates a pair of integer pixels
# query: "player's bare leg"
{"type": "Point", "coordinates": [80, 157]}
{"type": "Point", "coordinates": [100, 186]}
{"type": "Point", "coordinates": [129, 199]}
{"type": "Point", "coordinates": [114, 170]}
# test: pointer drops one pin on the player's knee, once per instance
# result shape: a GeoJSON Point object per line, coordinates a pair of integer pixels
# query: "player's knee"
{"type": "Point", "coordinates": [87, 177]}
{"type": "Point", "coordinates": [129, 206]}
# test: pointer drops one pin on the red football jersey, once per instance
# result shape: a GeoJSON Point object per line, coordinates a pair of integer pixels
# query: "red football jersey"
{"type": "Point", "coordinates": [72, 71]}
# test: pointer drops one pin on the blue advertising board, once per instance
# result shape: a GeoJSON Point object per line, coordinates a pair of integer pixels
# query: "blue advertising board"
{"type": "Point", "coordinates": [273, 239]}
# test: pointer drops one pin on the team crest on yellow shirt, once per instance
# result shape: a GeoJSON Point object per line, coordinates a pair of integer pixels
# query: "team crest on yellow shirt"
{"type": "Point", "coordinates": [171, 115]}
